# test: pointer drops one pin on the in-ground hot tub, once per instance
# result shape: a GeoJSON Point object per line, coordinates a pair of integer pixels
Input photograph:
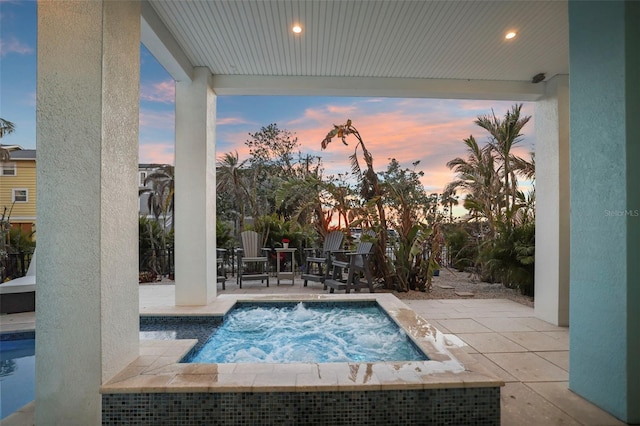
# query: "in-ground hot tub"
{"type": "Point", "coordinates": [309, 332]}
{"type": "Point", "coordinates": [445, 389]}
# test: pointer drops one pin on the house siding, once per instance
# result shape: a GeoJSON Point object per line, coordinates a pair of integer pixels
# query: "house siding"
{"type": "Point", "coordinates": [22, 215]}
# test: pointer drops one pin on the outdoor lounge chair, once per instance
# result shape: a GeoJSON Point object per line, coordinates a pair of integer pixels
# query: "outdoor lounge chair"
{"type": "Point", "coordinates": [356, 267]}
{"type": "Point", "coordinates": [317, 267]}
{"type": "Point", "coordinates": [19, 294]}
{"type": "Point", "coordinates": [253, 262]}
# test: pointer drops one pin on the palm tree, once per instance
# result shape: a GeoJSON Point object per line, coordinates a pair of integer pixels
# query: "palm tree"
{"type": "Point", "coordinates": [505, 134]}
{"type": "Point", "coordinates": [370, 188]}
{"type": "Point", "coordinates": [342, 198]}
{"type": "Point", "coordinates": [161, 194]}
{"type": "Point", "coordinates": [229, 178]}
{"type": "Point", "coordinates": [448, 200]}
{"type": "Point", "coordinates": [6, 127]}
{"type": "Point", "coordinates": [304, 197]}
{"type": "Point", "coordinates": [526, 168]}
{"type": "Point", "coordinates": [478, 177]}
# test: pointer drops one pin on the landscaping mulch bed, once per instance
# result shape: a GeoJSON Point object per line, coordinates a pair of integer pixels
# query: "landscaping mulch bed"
{"type": "Point", "coordinates": [456, 284]}
{"type": "Point", "coordinates": [451, 284]}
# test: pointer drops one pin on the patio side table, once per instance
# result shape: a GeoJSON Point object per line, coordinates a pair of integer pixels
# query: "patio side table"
{"type": "Point", "coordinates": [288, 273]}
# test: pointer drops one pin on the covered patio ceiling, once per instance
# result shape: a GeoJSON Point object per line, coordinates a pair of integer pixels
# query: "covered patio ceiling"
{"type": "Point", "coordinates": [390, 47]}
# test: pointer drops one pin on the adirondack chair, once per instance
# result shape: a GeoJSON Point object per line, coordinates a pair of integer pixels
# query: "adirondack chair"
{"type": "Point", "coordinates": [253, 262]}
{"type": "Point", "coordinates": [317, 267]}
{"type": "Point", "coordinates": [356, 267]}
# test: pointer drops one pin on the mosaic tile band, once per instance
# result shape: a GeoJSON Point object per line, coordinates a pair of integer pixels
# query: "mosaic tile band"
{"type": "Point", "coordinates": [453, 406]}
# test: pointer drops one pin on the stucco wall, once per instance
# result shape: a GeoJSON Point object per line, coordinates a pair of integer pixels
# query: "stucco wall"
{"type": "Point", "coordinates": [604, 205]}
{"type": "Point", "coordinates": [87, 132]}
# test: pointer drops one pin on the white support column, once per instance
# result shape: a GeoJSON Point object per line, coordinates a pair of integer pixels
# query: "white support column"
{"type": "Point", "coordinates": [552, 203]}
{"type": "Point", "coordinates": [195, 175]}
{"type": "Point", "coordinates": [87, 135]}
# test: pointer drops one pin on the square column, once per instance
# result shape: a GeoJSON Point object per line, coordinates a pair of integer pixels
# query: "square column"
{"type": "Point", "coordinates": [605, 205]}
{"type": "Point", "coordinates": [552, 203]}
{"type": "Point", "coordinates": [195, 183]}
{"type": "Point", "coordinates": [87, 135]}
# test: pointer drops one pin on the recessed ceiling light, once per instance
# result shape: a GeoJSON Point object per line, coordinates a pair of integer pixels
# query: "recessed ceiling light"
{"type": "Point", "coordinates": [297, 29]}
{"type": "Point", "coordinates": [510, 35]}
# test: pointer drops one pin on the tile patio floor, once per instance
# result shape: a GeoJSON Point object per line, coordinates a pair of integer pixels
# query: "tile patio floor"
{"type": "Point", "coordinates": [531, 356]}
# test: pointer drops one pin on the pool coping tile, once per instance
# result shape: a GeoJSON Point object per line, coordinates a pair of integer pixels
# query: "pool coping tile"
{"type": "Point", "coordinates": [158, 368]}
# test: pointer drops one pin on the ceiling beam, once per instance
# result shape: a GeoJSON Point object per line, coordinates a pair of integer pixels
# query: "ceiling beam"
{"type": "Point", "coordinates": [162, 45]}
{"type": "Point", "coordinates": [378, 87]}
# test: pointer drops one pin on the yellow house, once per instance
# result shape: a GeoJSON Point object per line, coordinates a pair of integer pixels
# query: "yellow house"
{"type": "Point", "coordinates": [18, 189]}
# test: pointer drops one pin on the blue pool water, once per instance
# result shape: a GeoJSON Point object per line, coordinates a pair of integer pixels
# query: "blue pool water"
{"type": "Point", "coordinates": [17, 372]}
{"type": "Point", "coordinates": [312, 332]}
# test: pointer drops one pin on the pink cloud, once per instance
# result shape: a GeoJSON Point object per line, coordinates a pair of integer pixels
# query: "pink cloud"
{"type": "Point", "coordinates": [156, 153]}
{"type": "Point", "coordinates": [163, 92]}
{"type": "Point", "coordinates": [13, 45]}
{"type": "Point", "coordinates": [231, 121]}
{"type": "Point", "coordinates": [394, 135]}
{"type": "Point", "coordinates": [407, 130]}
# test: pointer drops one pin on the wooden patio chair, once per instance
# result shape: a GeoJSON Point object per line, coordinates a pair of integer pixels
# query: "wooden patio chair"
{"type": "Point", "coordinates": [317, 267]}
{"type": "Point", "coordinates": [356, 267]}
{"type": "Point", "coordinates": [253, 262]}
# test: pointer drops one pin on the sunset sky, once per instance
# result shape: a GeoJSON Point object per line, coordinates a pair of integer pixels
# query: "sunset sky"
{"type": "Point", "coordinates": [429, 130]}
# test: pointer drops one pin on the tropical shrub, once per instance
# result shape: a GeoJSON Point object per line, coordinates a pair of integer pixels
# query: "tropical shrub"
{"type": "Point", "coordinates": [510, 258]}
{"type": "Point", "coordinates": [503, 214]}
{"type": "Point", "coordinates": [462, 247]}
{"type": "Point", "coordinates": [224, 236]}
{"type": "Point", "coordinates": [20, 240]}
{"type": "Point", "coordinates": [152, 255]}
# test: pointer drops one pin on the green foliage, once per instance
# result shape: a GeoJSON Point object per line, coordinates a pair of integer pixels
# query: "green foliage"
{"type": "Point", "coordinates": [405, 197]}
{"type": "Point", "coordinates": [409, 265]}
{"type": "Point", "coordinates": [273, 153]}
{"type": "Point", "coordinates": [272, 147]}
{"type": "Point", "coordinates": [510, 258]}
{"type": "Point", "coordinates": [462, 247]}
{"type": "Point", "coordinates": [152, 244]}
{"type": "Point", "coordinates": [6, 127]}
{"type": "Point", "coordinates": [13, 241]}
{"type": "Point", "coordinates": [161, 198]}
{"type": "Point", "coordinates": [232, 188]}
{"type": "Point", "coordinates": [224, 236]}
{"type": "Point", "coordinates": [20, 240]}
{"type": "Point", "coordinates": [4, 231]}
{"type": "Point", "coordinates": [417, 257]}
{"type": "Point", "coordinates": [274, 229]}
{"type": "Point", "coordinates": [504, 216]}
{"type": "Point", "coordinates": [288, 197]}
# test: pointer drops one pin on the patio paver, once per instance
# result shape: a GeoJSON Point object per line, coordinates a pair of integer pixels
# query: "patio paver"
{"type": "Point", "coordinates": [522, 406]}
{"type": "Point", "coordinates": [490, 342]}
{"type": "Point", "coordinates": [529, 367]}
{"type": "Point", "coordinates": [559, 358]}
{"type": "Point", "coordinates": [464, 325]}
{"type": "Point", "coordinates": [578, 408]}
{"type": "Point", "coordinates": [535, 371]}
{"type": "Point", "coordinates": [540, 341]}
